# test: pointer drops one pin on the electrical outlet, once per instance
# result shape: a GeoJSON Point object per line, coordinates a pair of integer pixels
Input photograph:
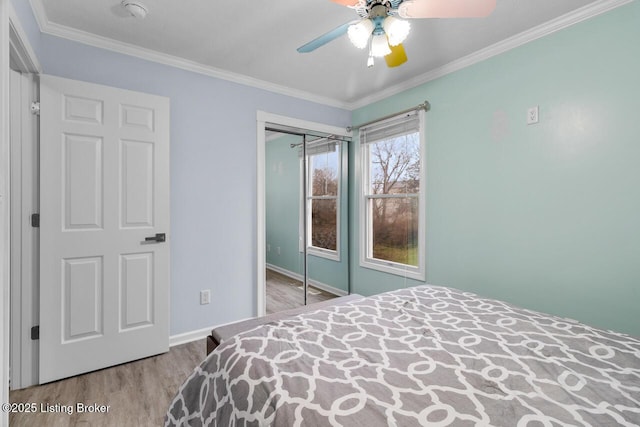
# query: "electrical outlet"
{"type": "Point", "coordinates": [268, 247]}
{"type": "Point", "coordinates": [205, 297]}
{"type": "Point", "coordinates": [532, 115]}
{"type": "Point", "coordinates": [278, 250]}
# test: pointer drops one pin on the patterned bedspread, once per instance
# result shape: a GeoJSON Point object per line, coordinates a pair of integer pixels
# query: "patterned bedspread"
{"type": "Point", "coordinates": [423, 356]}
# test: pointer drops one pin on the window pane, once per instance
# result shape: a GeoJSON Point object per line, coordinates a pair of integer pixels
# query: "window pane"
{"type": "Point", "coordinates": [324, 221]}
{"type": "Point", "coordinates": [395, 165]}
{"type": "Point", "coordinates": [395, 229]}
{"type": "Point", "coordinates": [324, 173]}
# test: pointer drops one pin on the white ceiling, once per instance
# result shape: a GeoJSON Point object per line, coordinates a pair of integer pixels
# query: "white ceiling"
{"type": "Point", "coordinates": [255, 41]}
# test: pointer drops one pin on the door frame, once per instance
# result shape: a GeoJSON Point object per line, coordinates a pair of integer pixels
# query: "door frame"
{"type": "Point", "coordinates": [24, 238]}
{"type": "Point", "coordinates": [16, 52]}
{"type": "Point", "coordinates": [262, 119]}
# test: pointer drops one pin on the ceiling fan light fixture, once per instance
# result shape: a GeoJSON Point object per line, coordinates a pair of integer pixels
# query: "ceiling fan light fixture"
{"type": "Point", "coordinates": [360, 32]}
{"type": "Point", "coordinates": [137, 9]}
{"type": "Point", "coordinates": [380, 46]}
{"type": "Point", "coordinates": [397, 30]}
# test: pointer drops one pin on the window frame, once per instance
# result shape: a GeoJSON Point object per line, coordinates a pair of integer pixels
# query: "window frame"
{"type": "Point", "coordinates": [330, 254]}
{"type": "Point", "coordinates": [366, 199]}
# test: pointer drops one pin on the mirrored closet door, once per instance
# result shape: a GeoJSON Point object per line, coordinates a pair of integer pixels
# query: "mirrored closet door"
{"type": "Point", "coordinates": [306, 224]}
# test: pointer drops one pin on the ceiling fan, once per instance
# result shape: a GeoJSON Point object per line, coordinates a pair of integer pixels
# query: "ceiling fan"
{"type": "Point", "coordinates": [380, 28]}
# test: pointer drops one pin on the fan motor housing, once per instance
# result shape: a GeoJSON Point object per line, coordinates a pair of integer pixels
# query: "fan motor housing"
{"type": "Point", "coordinates": [378, 10]}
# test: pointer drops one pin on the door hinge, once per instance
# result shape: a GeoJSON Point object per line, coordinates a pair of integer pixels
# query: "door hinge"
{"type": "Point", "coordinates": [35, 108]}
{"type": "Point", "coordinates": [35, 332]}
{"type": "Point", "coordinates": [35, 220]}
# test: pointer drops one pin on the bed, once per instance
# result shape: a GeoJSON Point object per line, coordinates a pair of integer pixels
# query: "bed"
{"type": "Point", "coordinates": [414, 357]}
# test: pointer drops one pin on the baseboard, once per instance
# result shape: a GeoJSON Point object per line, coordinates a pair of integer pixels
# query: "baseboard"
{"type": "Point", "coordinates": [199, 334]}
{"type": "Point", "coordinates": [327, 288]}
{"type": "Point", "coordinates": [187, 337]}
{"type": "Point", "coordinates": [284, 271]}
{"type": "Point", "coordinates": [314, 283]}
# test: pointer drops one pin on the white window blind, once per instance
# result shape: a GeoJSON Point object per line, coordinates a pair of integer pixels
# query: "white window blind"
{"type": "Point", "coordinates": [391, 128]}
{"type": "Point", "coordinates": [318, 147]}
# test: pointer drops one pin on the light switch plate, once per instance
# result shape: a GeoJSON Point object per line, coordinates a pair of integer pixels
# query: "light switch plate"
{"type": "Point", "coordinates": [205, 297]}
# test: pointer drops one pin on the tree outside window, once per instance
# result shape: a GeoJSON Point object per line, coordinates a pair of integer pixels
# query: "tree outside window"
{"type": "Point", "coordinates": [395, 185]}
{"type": "Point", "coordinates": [392, 235]}
{"type": "Point", "coordinates": [323, 207]}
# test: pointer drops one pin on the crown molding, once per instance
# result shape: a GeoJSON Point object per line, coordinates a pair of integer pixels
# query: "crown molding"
{"type": "Point", "coordinates": [39, 13]}
{"type": "Point", "coordinates": [101, 42]}
{"type": "Point", "coordinates": [567, 20]}
{"type": "Point", "coordinates": [564, 21]}
{"type": "Point", "coordinates": [20, 44]}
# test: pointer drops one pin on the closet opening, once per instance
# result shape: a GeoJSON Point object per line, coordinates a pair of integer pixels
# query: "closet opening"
{"type": "Point", "coordinates": [305, 216]}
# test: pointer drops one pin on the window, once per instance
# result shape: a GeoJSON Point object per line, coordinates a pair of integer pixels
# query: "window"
{"type": "Point", "coordinates": [323, 192]}
{"type": "Point", "coordinates": [392, 203]}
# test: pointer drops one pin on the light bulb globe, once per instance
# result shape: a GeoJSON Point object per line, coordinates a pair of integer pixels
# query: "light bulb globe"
{"type": "Point", "coordinates": [380, 46]}
{"type": "Point", "coordinates": [397, 30]}
{"type": "Point", "coordinates": [360, 32]}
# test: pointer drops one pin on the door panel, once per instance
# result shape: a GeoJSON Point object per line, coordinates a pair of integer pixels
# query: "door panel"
{"type": "Point", "coordinates": [104, 189]}
{"type": "Point", "coordinates": [82, 198]}
{"type": "Point", "coordinates": [136, 290]}
{"type": "Point", "coordinates": [82, 298]}
{"type": "Point", "coordinates": [137, 184]}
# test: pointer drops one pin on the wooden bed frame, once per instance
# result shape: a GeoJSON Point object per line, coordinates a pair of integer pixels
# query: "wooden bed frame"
{"type": "Point", "coordinates": [225, 332]}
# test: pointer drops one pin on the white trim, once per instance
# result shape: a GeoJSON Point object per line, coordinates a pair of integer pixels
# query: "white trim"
{"type": "Point", "coordinates": [326, 253]}
{"type": "Point", "coordinates": [582, 14]}
{"type": "Point", "coordinates": [261, 237]}
{"type": "Point", "coordinates": [188, 337]}
{"type": "Point", "coordinates": [589, 11]}
{"type": "Point", "coordinates": [39, 13]}
{"type": "Point", "coordinates": [333, 255]}
{"type": "Point", "coordinates": [15, 346]}
{"type": "Point", "coordinates": [101, 42]}
{"type": "Point", "coordinates": [328, 288]}
{"type": "Point", "coordinates": [23, 312]}
{"type": "Point", "coordinates": [199, 334]}
{"type": "Point", "coordinates": [267, 117]}
{"type": "Point", "coordinates": [262, 118]}
{"type": "Point", "coordinates": [4, 207]}
{"type": "Point", "coordinates": [28, 60]}
{"type": "Point", "coordinates": [301, 207]}
{"type": "Point", "coordinates": [297, 276]}
{"type": "Point", "coordinates": [24, 244]}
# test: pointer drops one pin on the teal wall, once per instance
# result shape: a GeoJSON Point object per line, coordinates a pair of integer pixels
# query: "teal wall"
{"type": "Point", "coordinates": [282, 212]}
{"type": "Point", "coordinates": [546, 216]}
{"type": "Point", "coordinates": [282, 203]}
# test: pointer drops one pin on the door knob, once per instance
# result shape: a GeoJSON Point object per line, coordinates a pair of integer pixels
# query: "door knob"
{"type": "Point", "coordinates": [159, 237]}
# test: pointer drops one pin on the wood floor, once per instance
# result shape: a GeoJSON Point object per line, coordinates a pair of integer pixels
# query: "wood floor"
{"type": "Point", "coordinates": [284, 293]}
{"type": "Point", "coordinates": [138, 393]}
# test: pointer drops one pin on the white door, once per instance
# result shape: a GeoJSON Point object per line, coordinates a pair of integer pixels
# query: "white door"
{"type": "Point", "coordinates": [104, 192]}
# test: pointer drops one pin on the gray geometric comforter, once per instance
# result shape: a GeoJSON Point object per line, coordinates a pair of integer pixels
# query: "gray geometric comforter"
{"type": "Point", "coordinates": [423, 356]}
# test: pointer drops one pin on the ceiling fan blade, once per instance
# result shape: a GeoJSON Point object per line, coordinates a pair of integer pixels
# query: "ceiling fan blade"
{"type": "Point", "coordinates": [326, 38]}
{"type": "Point", "coordinates": [346, 2]}
{"type": "Point", "coordinates": [397, 57]}
{"type": "Point", "coordinates": [446, 8]}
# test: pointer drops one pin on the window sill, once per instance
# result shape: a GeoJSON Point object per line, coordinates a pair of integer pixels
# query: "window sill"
{"type": "Point", "coordinates": [324, 253]}
{"type": "Point", "coordinates": [393, 268]}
